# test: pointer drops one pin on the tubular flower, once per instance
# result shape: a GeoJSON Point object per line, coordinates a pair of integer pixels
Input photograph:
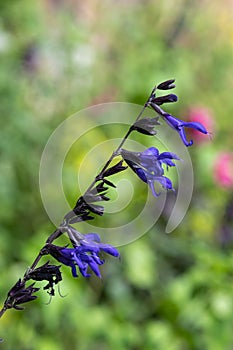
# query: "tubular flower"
{"type": "Point", "coordinates": [148, 166]}
{"type": "Point", "coordinates": [179, 126]}
{"type": "Point", "coordinates": [85, 255]}
{"type": "Point", "coordinates": [204, 115]}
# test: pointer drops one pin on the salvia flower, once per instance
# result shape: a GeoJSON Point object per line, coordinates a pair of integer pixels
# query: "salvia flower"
{"type": "Point", "coordinates": [148, 165]}
{"type": "Point", "coordinates": [88, 254]}
{"type": "Point", "coordinates": [179, 126]}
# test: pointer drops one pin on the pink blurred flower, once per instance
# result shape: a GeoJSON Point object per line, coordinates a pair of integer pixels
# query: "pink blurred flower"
{"type": "Point", "coordinates": [204, 116]}
{"type": "Point", "coordinates": [223, 170]}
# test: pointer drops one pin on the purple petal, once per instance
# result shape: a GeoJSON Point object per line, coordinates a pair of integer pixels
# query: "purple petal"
{"type": "Point", "coordinates": [84, 271]}
{"type": "Point", "coordinates": [162, 181]}
{"type": "Point", "coordinates": [74, 272]}
{"type": "Point", "coordinates": [184, 138]}
{"type": "Point", "coordinates": [141, 174]}
{"type": "Point", "coordinates": [77, 260]}
{"type": "Point", "coordinates": [168, 162]}
{"type": "Point", "coordinates": [151, 151]}
{"type": "Point", "coordinates": [167, 183]}
{"type": "Point", "coordinates": [93, 265]}
{"type": "Point", "coordinates": [97, 259]}
{"type": "Point", "coordinates": [65, 256]}
{"type": "Point", "coordinates": [89, 248]}
{"type": "Point", "coordinates": [172, 121]}
{"type": "Point", "coordinates": [92, 237]}
{"type": "Point", "coordinates": [179, 125]}
{"type": "Point", "coordinates": [195, 125]}
{"type": "Point", "coordinates": [109, 249]}
{"type": "Point", "coordinates": [151, 184]}
{"type": "Point", "coordinates": [168, 155]}
{"type": "Point", "coordinates": [95, 268]}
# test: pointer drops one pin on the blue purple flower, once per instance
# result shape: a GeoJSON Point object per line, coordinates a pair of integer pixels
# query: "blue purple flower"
{"type": "Point", "coordinates": [179, 126]}
{"type": "Point", "coordinates": [148, 166]}
{"type": "Point", "coordinates": [85, 255]}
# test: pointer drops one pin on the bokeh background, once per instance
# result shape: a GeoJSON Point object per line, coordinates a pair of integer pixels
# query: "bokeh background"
{"type": "Point", "coordinates": [173, 291]}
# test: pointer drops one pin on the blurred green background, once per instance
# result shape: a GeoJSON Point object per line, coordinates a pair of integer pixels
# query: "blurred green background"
{"type": "Point", "coordinates": [171, 292]}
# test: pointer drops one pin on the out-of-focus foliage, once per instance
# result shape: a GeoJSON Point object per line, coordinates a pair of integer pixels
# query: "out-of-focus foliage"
{"type": "Point", "coordinates": [169, 291]}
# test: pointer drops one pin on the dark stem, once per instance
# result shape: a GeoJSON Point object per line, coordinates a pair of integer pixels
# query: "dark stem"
{"type": "Point", "coordinates": [36, 261]}
{"type": "Point", "coordinates": [115, 153]}
{"type": "Point", "coordinates": [2, 311]}
{"type": "Point", "coordinates": [57, 233]}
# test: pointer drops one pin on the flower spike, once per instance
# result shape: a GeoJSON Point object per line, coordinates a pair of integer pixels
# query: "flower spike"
{"type": "Point", "coordinates": [84, 253]}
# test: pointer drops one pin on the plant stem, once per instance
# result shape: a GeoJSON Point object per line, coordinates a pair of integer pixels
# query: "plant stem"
{"type": "Point", "coordinates": [115, 153]}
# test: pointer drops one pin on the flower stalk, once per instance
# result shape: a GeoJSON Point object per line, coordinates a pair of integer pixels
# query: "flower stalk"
{"type": "Point", "coordinates": [86, 253]}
